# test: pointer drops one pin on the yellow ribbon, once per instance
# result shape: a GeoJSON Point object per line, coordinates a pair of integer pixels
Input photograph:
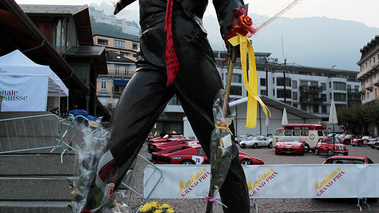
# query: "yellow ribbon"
{"type": "Point", "coordinates": [252, 84]}
{"type": "Point", "coordinates": [224, 127]}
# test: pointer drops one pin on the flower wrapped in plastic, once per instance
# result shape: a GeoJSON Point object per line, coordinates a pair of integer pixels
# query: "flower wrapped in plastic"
{"type": "Point", "coordinates": [222, 149]}
{"type": "Point", "coordinates": [89, 149]}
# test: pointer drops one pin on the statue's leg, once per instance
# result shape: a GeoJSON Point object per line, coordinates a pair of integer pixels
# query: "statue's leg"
{"type": "Point", "coordinates": [141, 104]}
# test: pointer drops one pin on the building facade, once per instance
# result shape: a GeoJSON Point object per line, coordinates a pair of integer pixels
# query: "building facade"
{"type": "Point", "coordinates": [369, 71]}
{"type": "Point", "coordinates": [310, 89]}
{"type": "Point", "coordinates": [121, 58]}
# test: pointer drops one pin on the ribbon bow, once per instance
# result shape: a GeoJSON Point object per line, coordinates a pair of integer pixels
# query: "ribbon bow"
{"type": "Point", "coordinates": [242, 39]}
{"type": "Point", "coordinates": [213, 200]}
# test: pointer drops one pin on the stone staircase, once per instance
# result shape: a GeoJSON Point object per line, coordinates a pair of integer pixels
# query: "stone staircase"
{"type": "Point", "coordinates": [34, 180]}
{"type": "Point", "coordinates": [37, 180]}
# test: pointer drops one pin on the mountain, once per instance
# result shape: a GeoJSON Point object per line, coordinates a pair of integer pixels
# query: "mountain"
{"type": "Point", "coordinates": [315, 42]}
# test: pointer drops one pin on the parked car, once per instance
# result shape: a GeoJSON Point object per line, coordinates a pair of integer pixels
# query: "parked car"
{"type": "Point", "coordinates": [325, 145]}
{"type": "Point", "coordinates": [347, 139]}
{"type": "Point", "coordinates": [350, 159]}
{"type": "Point", "coordinates": [242, 137]}
{"type": "Point", "coordinates": [361, 141]}
{"type": "Point", "coordinates": [290, 145]}
{"type": "Point", "coordinates": [372, 144]}
{"type": "Point", "coordinates": [194, 154]}
{"type": "Point", "coordinates": [257, 141]}
{"type": "Point", "coordinates": [155, 147]}
{"type": "Point", "coordinates": [168, 137]}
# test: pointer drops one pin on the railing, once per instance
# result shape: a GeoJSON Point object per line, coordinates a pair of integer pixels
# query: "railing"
{"type": "Point", "coordinates": [30, 133]}
{"type": "Point", "coordinates": [40, 132]}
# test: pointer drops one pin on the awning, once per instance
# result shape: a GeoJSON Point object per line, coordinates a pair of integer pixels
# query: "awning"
{"type": "Point", "coordinates": [120, 82]}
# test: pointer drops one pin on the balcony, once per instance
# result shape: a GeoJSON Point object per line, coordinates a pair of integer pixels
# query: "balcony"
{"type": "Point", "coordinates": [369, 86]}
{"type": "Point", "coordinates": [315, 100]}
{"type": "Point", "coordinates": [310, 89]}
{"type": "Point", "coordinates": [369, 69]}
{"type": "Point", "coordinates": [376, 81]}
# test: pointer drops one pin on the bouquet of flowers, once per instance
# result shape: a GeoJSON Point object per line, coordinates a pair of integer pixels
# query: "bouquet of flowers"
{"type": "Point", "coordinates": [89, 150]}
{"type": "Point", "coordinates": [154, 207]}
{"type": "Point", "coordinates": [222, 150]}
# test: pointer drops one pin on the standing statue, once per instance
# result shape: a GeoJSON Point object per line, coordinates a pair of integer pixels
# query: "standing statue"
{"type": "Point", "coordinates": [174, 58]}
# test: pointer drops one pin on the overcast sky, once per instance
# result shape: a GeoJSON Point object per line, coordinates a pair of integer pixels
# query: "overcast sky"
{"type": "Point", "coordinates": [364, 11]}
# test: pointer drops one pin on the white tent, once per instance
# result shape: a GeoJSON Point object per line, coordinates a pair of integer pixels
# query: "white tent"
{"type": "Point", "coordinates": [26, 85]}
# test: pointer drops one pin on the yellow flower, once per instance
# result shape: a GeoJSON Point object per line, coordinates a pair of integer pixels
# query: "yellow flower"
{"type": "Point", "coordinates": [158, 211]}
{"type": "Point", "coordinates": [166, 206]}
{"type": "Point", "coordinates": [170, 210]}
{"type": "Point", "coordinates": [143, 209]}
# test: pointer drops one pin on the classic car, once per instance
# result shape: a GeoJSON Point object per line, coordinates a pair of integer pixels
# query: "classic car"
{"type": "Point", "coordinates": [290, 145]}
{"type": "Point", "coordinates": [330, 146]}
{"type": "Point", "coordinates": [338, 159]}
{"type": "Point", "coordinates": [347, 139]}
{"type": "Point", "coordinates": [194, 154]}
{"type": "Point", "coordinates": [155, 147]}
{"type": "Point", "coordinates": [361, 141]}
{"type": "Point", "coordinates": [168, 137]}
{"type": "Point", "coordinates": [256, 141]}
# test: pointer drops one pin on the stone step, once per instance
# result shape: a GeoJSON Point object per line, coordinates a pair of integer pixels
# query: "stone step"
{"type": "Point", "coordinates": [36, 188]}
{"type": "Point", "coordinates": [34, 207]}
{"type": "Point", "coordinates": [36, 164]}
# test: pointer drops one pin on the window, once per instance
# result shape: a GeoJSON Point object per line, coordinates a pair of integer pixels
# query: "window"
{"type": "Point", "coordinates": [315, 109]}
{"type": "Point", "coordinates": [117, 70]}
{"type": "Point", "coordinates": [263, 92]}
{"type": "Point", "coordinates": [339, 97]}
{"type": "Point", "coordinates": [236, 78]}
{"type": "Point", "coordinates": [102, 41]}
{"type": "Point", "coordinates": [118, 43]}
{"type": "Point", "coordinates": [305, 133]}
{"type": "Point", "coordinates": [103, 84]}
{"type": "Point", "coordinates": [294, 95]}
{"type": "Point", "coordinates": [323, 108]}
{"type": "Point", "coordinates": [323, 85]}
{"type": "Point", "coordinates": [339, 86]}
{"type": "Point", "coordinates": [281, 93]}
{"type": "Point", "coordinates": [280, 82]}
{"type": "Point", "coordinates": [294, 84]}
{"type": "Point", "coordinates": [263, 82]}
{"type": "Point", "coordinates": [135, 46]}
{"type": "Point", "coordinates": [296, 133]}
{"type": "Point", "coordinates": [288, 132]}
{"type": "Point", "coordinates": [235, 90]}
{"type": "Point", "coordinates": [323, 97]}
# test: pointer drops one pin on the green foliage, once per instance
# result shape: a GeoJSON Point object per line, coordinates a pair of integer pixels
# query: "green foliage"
{"type": "Point", "coordinates": [355, 117]}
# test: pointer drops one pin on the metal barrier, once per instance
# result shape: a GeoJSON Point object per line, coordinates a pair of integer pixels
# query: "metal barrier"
{"type": "Point", "coordinates": [30, 133]}
{"type": "Point", "coordinates": [134, 182]}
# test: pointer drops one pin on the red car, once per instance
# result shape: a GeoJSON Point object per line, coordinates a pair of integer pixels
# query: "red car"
{"type": "Point", "coordinates": [155, 147]}
{"type": "Point", "coordinates": [365, 140]}
{"type": "Point", "coordinates": [290, 145]}
{"type": "Point", "coordinates": [348, 160]}
{"type": "Point", "coordinates": [325, 145]}
{"type": "Point", "coordinates": [166, 138]}
{"type": "Point", "coordinates": [347, 139]}
{"type": "Point", "coordinates": [194, 154]}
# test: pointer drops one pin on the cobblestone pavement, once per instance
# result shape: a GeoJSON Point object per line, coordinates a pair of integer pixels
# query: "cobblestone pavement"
{"type": "Point", "coordinates": [282, 205]}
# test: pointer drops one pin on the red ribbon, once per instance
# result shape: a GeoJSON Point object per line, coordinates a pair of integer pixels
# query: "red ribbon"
{"type": "Point", "coordinates": [172, 62]}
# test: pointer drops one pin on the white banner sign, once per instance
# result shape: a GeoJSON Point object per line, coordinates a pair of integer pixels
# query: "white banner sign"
{"type": "Point", "coordinates": [23, 93]}
{"type": "Point", "coordinates": [270, 181]}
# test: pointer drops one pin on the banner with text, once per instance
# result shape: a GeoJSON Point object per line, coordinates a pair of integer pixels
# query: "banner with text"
{"type": "Point", "coordinates": [23, 93]}
{"type": "Point", "coordinates": [270, 181]}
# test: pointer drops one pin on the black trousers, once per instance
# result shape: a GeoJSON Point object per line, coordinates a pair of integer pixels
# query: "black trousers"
{"type": "Point", "coordinates": [146, 95]}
